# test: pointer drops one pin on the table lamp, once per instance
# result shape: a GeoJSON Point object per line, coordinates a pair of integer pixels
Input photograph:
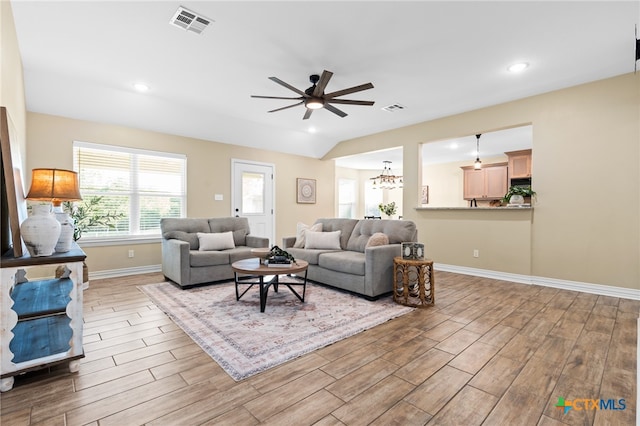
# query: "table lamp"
{"type": "Point", "coordinates": [40, 234]}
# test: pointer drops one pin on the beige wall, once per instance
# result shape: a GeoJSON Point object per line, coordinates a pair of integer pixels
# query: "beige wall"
{"type": "Point", "coordinates": [586, 149]}
{"type": "Point", "coordinates": [50, 143]}
{"type": "Point", "coordinates": [12, 97]}
{"type": "Point", "coordinates": [11, 78]}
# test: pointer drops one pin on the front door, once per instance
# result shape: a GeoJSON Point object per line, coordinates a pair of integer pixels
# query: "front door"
{"type": "Point", "coordinates": [253, 196]}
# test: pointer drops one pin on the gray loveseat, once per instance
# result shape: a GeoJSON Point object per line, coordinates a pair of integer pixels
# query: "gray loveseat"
{"type": "Point", "coordinates": [185, 264]}
{"type": "Point", "coordinates": [367, 271]}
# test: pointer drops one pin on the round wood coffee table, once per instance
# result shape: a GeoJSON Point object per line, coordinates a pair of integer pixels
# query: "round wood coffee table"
{"type": "Point", "coordinates": [247, 270]}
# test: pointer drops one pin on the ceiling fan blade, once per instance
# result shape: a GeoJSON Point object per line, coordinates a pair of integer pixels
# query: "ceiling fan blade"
{"type": "Point", "coordinates": [324, 80]}
{"type": "Point", "coordinates": [307, 114]}
{"type": "Point", "coordinates": [288, 86]}
{"type": "Point", "coordinates": [350, 102]}
{"type": "Point", "coordinates": [335, 110]}
{"type": "Point", "coordinates": [349, 90]}
{"type": "Point", "coordinates": [275, 97]}
{"type": "Point", "coordinates": [289, 106]}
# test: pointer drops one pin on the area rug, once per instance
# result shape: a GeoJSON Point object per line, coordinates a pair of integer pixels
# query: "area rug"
{"type": "Point", "coordinates": [244, 341]}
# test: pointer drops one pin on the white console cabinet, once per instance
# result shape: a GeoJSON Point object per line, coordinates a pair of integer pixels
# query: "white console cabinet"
{"type": "Point", "coordinates": [41, 318]}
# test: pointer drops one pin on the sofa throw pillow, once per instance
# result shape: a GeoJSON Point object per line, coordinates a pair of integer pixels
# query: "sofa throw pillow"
{"type": "Point", "coordinates": [377, 239]}
{"type": "Point", "coordinates": [322, 240]}
{"type": "Point", "coordinates": [189, 237]}
{"type": "Point", "coordinates": [301, 228]}
{"type": "Point", "coordinates": [215, 241]}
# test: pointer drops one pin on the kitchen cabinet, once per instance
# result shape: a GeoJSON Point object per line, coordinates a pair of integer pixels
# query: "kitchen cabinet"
{"type": "Point", "coordinates": [41, 320]}
{"type": "Point", "coordinates": [487, 183]}
{"type": "Point", "coordinates": [519, 164]}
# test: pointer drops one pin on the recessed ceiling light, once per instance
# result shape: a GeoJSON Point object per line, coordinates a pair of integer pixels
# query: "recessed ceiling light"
{"type": "Point", "coordinates": [311, 130]}
{"type": "Point", "coordinates": [140, 87]}
{"type": "Point", "coordinates": [453, 145]}
{"type": "Point", "coordinates": [520, 66]}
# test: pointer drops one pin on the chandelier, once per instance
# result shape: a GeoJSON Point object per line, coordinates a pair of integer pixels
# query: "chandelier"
{"type": "Point", "coordinates": [386, 179]}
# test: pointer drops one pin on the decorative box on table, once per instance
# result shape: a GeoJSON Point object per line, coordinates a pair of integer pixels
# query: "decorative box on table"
{"type": "Point", "coordinates": [413, 251]}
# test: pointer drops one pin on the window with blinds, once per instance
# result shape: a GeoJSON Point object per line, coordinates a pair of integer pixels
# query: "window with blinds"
{"type": "Point", "coordinates": [347, 198]}
{"type": "Point", "coordinates": [372, 199]}
{"type": "Point", "coordinates": [138, 187]}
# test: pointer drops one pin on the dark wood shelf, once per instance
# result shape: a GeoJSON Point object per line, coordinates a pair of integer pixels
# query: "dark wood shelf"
{"type": "Point", "coordinates": [74, 255]}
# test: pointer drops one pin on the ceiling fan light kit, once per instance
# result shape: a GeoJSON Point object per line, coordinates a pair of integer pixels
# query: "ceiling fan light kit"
{"type": "Point", "coordinates": [314, 97]}
{"type": "Point", "coordinates": [314, 103]}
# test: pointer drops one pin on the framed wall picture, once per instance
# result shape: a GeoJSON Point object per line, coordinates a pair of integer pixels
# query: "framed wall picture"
{"type": "Point", "coordinates": [306, 192]}
{"type": "Point", "coordinates": [424, 195]}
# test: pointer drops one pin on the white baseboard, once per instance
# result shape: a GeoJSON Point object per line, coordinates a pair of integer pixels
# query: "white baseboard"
{"type": "Point", "coordinates": [114, 273]}
{"type": "Point", "coordinates": [603, 290]}
{"type": "Point", "coordinates": [485, 273]}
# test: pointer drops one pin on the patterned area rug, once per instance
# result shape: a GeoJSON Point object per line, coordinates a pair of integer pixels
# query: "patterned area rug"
{"type": "Point", "coordinates": [245, 342]}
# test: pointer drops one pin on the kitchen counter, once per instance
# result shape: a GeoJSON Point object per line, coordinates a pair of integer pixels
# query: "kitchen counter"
{"type": "Point", "coordinates": [501, 209]}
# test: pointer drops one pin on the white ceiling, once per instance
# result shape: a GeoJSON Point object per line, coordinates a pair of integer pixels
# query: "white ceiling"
{"type": "Point", "coordinates": [81, 58]}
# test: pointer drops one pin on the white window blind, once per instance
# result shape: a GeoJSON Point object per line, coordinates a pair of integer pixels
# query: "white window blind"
{"type": "Point", "coordinates": [347, 198]}
{"type": "Point", "coordinates": [138, 186]}
{"type": "Point", "coordinates": [372, 198]}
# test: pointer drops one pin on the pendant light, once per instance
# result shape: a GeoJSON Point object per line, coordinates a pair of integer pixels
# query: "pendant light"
{"type": "Point", "coordinates": [386, 179]}
{"type": "Point", "coordinates": [477, 164]}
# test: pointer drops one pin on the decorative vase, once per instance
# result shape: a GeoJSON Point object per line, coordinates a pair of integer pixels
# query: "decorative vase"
{"type": "Point", "coordinates": [66, 232]}
{"type": "Point", "coordinates": [516, 199]}
{"type": "Point", "coordinates": [40, 231]}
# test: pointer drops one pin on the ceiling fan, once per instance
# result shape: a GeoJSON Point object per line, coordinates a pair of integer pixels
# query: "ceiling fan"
{"type": "Point", "coordinates": [315, 98]}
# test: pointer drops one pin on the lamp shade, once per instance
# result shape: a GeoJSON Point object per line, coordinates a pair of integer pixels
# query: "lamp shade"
{"type": "Point", "coordinates": [55, 185]}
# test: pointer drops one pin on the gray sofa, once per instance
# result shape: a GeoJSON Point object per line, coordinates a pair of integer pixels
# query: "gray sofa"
{"type": "Point", "coordinates": [186, 265]}
{"type": "Point", "coordinates": [367, 271]}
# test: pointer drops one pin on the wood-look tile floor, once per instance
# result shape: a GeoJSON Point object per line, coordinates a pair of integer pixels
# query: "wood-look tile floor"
{"type": "Point", "coordinates": [489, 352]}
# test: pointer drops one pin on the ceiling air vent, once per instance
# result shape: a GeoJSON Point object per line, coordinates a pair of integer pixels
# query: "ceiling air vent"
{"type": "Point", "coordinates": [189, 21]}
{"type": "Point", "coordinates": [393, 108]}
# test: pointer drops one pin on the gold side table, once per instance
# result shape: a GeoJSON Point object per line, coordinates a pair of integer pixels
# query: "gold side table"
{"type": "Point", "coordinates": [413, 282]}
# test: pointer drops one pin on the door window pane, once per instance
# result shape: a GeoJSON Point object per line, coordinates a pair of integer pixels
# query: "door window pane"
{"type": "Point", "coordinates": [252, 193]}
